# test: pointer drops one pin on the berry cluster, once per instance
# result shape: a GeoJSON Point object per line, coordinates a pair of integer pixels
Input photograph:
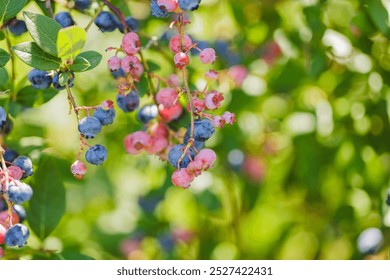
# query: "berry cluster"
{"type": "Point", "coordinates": [40, 79]}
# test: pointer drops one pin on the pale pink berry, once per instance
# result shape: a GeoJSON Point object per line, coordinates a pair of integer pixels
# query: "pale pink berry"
{"type": "Point", "coordinates": [15, 172]}
{"type": "Point", "coordinates": [136, 142]}
{"type": "Point", "coordinates": [207, 56]}
{"type": "Point", "coordinates": [136, 71]}
{"type": "Point", "coordinates": [212, 75]}
{"type": "Point", "coordinates": [195, 167]}
{"type": "Point", "coordinates": [107, 104]}
{"type": "Point", "coordinates": [181, 178]}
{"type": "Point", "coordinates": [181, 60]}
{"type": "Point", "coordinates": [238, 74]}
{"type": "Point", "coordinates": [207, 157]}
{"type": "Point", "coordinates": [158, 130]}
{"type": "Point", "coordinates": [198, 105]}
{"type": "Point", "coordinates": [182, 235]}
{"type": "Point", "coordinates": [272, 52]}
{"type": "Point", "coordinates": [167, 97]}
{"type": "Point", "coordinates": [173, 81]}
{"type": "Point", "coordinates": [129, 62]}
{"type": "Point", "coordinates": [114, 63]}
{"type": "Point", "coordinates": [168, 5]}
{"type": "Point", "coordinates": [174, 43]}
{"type": "Point", "coordinates": [157, 145]}
{"type": "Point", "coordinates": [218, 121]}
{"type": "Point", "coordinates": [228, 117]}
{"type": "Point", "coordinates": [78, 169]}
{"type": "Point", "coordinates": [255, 168]}
{"type": "Point", "coordinates": [172, 113]}
{"type": "Point", "coordinates": [2, 234]}
{"type": "Point", "coordinates": [213, 100]}
{"type": "Point", "coordinates": [131, 43]}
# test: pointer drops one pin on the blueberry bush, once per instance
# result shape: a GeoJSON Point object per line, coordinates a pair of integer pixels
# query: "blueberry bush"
{"type": "Point", "coordinates": [189, 129]}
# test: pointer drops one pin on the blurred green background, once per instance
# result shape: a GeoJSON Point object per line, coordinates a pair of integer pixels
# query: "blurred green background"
{"type": "Point", "coordinates": [300, 175]}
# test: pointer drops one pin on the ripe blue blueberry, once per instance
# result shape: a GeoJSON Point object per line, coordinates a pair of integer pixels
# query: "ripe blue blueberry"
{"type": "Point", "coordinates": [56, 81]}
{"type": "Point", "coordinates": [176, 153]}
{"type": "Point", "coordinates": [96, 154]}
{"type": "Point", "coordinates": [39, 79]}
{"type": "Point", "coordinates": [5, 128]}
{"type": "Point", "coordinates": [3, 205]}
{"type": "Point", "coordinates": [3, 117]}
{"type": "Point", "coordinates": [82, 4]}
{"type": "Point", "coordinates": [147, 113]}
{"type": "Point", "coordinates": [189, 5]}
{"type": "Point", "coordinates": [128, 102]}
{"type": "Point", "coordinates": [198, 144]}
{"type": "Point", "coordinates": [203, 130]}
{"type": "Point", "coordinates": [131, 22]}
{"type": "Point", "coordinates": [157, 11]}
{"type": "Point", "coordinates": [25, 164]}
{"type": "Point", "coordinates": [10, 156]}
{"type": "Point", "coordinates": [106, 22]}
{"type": "Point", "coordinates": [89, 127]}
{"type": "Point", "coordinates": [20, 211]}
{"type": "Point", "coordinates": [105, 117]}
{"type": "Point", "coordinates": [118, 74]}
{"type": "Point", "coordinates": [17, 27]}
{"type": "Point", "coordinates": [17, 235]}
{"type": "Point", "coordinates": [19, 193]}
{"type": "Point", "coordinates": [64, 19]}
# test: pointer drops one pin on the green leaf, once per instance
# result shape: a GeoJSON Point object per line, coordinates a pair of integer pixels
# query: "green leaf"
{"type": "Point", "coordinates": [379, 16]}
{"type": "Point", "coordinates": [47, 204]}
{"type": "Point", "coordinates": [70, 42]}
{"type": "Point", "coordinates": [4, 57]}
{"type": "Point", "coordinates": [63, 78]}
{"type": "Point", "coordinates": [86, 61]}
{"type": "Point", "coordinates": [10, 8]}
{"type": "Point", "coordinates": [43, 30]}
{"type": "Point", "coordinates": [31, 54]}
{"type": "Point", "coordinates": [31, 97]}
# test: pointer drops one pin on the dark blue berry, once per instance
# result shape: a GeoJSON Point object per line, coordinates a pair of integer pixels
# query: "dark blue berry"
{"type": "Point", "coordinates": [167, 242]}
{"type": "Point", "coordinates": [17, 235]}
{"type": "Point", "coordinates": [7, 127]}
{"type": "Point", "coordinates": [128, 102]}
{"type": "Point", "coordinates": [64, 19]}
{"type": "Point", "coordinates": [105, 117]}
{"type": "Point", "coordinates": [106, 22]}
{"type": "Point", "coordinates": [189, 5]}
{"type": "Point", "coordinates": [20, 211]}
{"type": "Point", "coordinates": [147, 113]}
{"type": "Point", "coordinates": [25, 164]}
{"type": "Point", "coordinates": [157, 11]}
{"type": "Point", "coordinates": [89, 127]}
{"type": "Point", "coordinates": [96, 154]}
{"type": "Point", "coordinates": [39, 79]}
{"type": "Point", "coordinates": [203, 130]}
{"type": "Point", "coordinates": [56, 81]}
{"type": "Point", "coordinates": [17, 27]}
{"type": "Point", "coordinates": [3, 205]}
{"type": "Point", "coordinates": [131, 22]}
{"type": "Point", "coordinates": [119, 73]}
{"type": "Point", "coordinates": [82, 4]}
{"type": "Point", "coordinates": [3, 118]}
{"type": "Point", "coordinates": [198, 144]}
{"type": "Point", "coordinates": [176, 153]}
{"type": "Point", "coordinates": [10, 156]}
{"type": "Point", "coordinates": [19, 193]}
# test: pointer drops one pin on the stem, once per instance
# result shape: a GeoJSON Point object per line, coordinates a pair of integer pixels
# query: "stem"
{"type": "Point", "coordinates": [72, 102]}
{"type": "Point", "coordinates": [94, 17]}
{"type": "Point", "coordinates": [48, 7]}
{"type": "Point", "coordinates": [148, 73]}
{"type": "Point", "coordinates": [13, 72]}
{"type": "Point", "coordinates": [5, 172]}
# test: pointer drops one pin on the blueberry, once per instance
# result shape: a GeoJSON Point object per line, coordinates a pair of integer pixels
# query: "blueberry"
{"type": "Point", "coordinates": [7, 127]}
{"type": "Point", "coordinates": [118, 74]}
{"type": "Point", "coordinates": [96, 154]}
{"type": "Point", "coordinates": [198, 144]}
{"type": "Point", "coordinates": [25, 164]}
{"type": "Point", "coordinates": [19, 193]}
{"type": "Point", "coordinates": [56, 82]}
{"type": "Point", "coordinates": [189, 5]}
{"type": "Point", "coordinates": [129, 102]}
{"type": "Point", "coordinates": [64, 19]}
{"type": "Point", "coordinates": [3, 118]}
{"type": "Point", "coordinates": [167, 242]}
{"type": "Point", "coordinates": [370, 241]}
{"type": "Point", "coordinates": [106, 22]}
{"type": "Point", "coordinates": [147, 113]}
{"type": "Point", "coordinates": [131, 22]}
{"type": "Point", "coordinates": [10, 156]}
{"type": "Point", "coordinates": [17, 235]}
{"type": "Point", "coordinates": [157, 11]}
{"type": "Point", "coordinates": [82, 4]}
{"type": "Point", "coordinates": [105, 117]}
{"type": "Point", "coordinates": [203, 130]}
{"type": "Point", "coordinates": [3, 205]}
{"type": "Point", "coordinates": [17, 27]}
{"type": "Point", "coordinates": [39, 79]}
{"type": "Point", "coordinates": [175, 154]}
{"type": "Point", "coordinates": [20, 211]}
{"type": "Point", "coordinates": [89, 127]}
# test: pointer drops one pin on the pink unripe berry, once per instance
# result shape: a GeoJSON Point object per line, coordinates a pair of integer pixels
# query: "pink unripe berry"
{"type": "Point", "coordinates": [172, 113]}
{"type": "Point", "coordinates": [181, 60]}
{"type": "Point", "coordinates": [181, 178]}
{"type": "Point", "coordinates": [136, 142]}
{"type": "Point", "coordinates": [107, 104]}
{"type": "Point", "coordinates": [174, 43]}
{"type": "Point", "coordinates": [168, 5]}
{"type": "Point", "coordinates": [238, 74]}
{"type": "Point", "coordinates": [207, 56]}
{"type": "Point", "coordinates": [167, 97]}
{"type": "Point", "coordinates": [114, 63]}
{"type": "Point", "coordinates": [129, 62]}
{"type": "Point", "coordinates": [157, 145]}
{"type": "Point", "coordinates": [1, 252]}
{"type": "Point", "coordinates": [158, 130]}
{"type": "Point", "coordinates": [131, 43]}
{"type": "Point", "coordinates": [228, 117]}
{"type": "Point", "coordinates": [213, 100]}
{"type": "Point", "coordinates": [198, 105]}
{"type": "Point", "coordinates": [15, 172]}
{"type": "Point", "coordinates": [212, 75]}
{"type": "Point", "coordinates": [218, 121]}
{"type": "Point", "coordinates": [78, 169]}
{"type": "Point", "coordinates": [207, 157]}
{"type": "Point", "coordinates": [173, 81]}
{"type": "Point", "coordinates": [195, 167]}
{"type": "Point", "coordinates": [2, 234]}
